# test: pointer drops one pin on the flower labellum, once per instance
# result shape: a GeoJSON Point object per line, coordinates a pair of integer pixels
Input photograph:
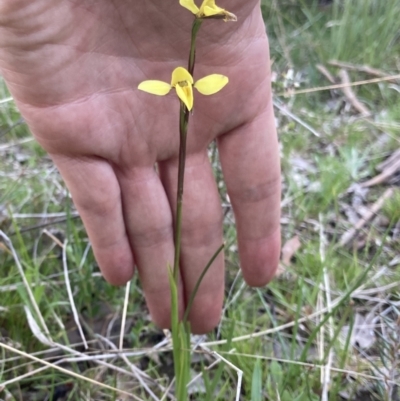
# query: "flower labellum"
{"type": "Point", "coordinates": [208, 9]}
{"type": "Point", "coordinates": [182, 81]}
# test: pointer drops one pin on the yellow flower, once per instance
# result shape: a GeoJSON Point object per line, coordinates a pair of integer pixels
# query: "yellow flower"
{"type": "Point", "coordinates": [182, 81]}
{"type": "Point", "coordinates": [208, 9]}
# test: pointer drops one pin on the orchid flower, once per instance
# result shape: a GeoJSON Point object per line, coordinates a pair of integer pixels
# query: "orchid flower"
{"type": "Point", "coordinates": [183, 83]}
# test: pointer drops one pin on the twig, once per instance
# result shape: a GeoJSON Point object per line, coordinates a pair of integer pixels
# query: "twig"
{"type": "Point", "coordinates": [338, 86]}
{"type": "Point", "coordinates": [278, 396]}
{"type": "Point", "coordinates": [84, 256]}
{"type": "Point", "coordinates": [349, 235]}
{"type": "Point", "coordinates": [6, 100]}
{"type": "Point", "coordinates": [162, 346]}
{"type": "Point", "coordinates": [66, 371]}
{"type": "Point", "coordinates": [324, 71]}
{"type": "Point", "coordinates": [53, 238]}
{"type": "Point", "coordinates": [298, 120]}
{"type": "Point", "coordinates": [239, 372]}
{"type": "Point", "coordinates": [361, 68]}
{"type": "Point", "coordinates": [197, 377]}
{"type": "Point", "coordinates": [274, 329]}
{"type": "Point", "coordinates": [10, 128]}
{"type": "Point", "coordinates": [70, 295]}
{"type": "Point", "coordinates": [35, 328]}
{"type": "Point", "coordinates": [229, 302]}
{"type": "Point", "coordinates": [14, 287]}
{"type": "Point", "coordinates": [41, 215]}
{"type": "Point", "coordinates": [99, 359]}
{"type": "Point", "coordinates": [383, 176]}
{"type": "Point", "coordinates": [24, 376]}
{"type": "Point", "coordinates": [41, 225]}
{"type": "Point", "coordinates": [381, 289]}
{"type": "Point", "coordinates": [136, 371]}
{"type": "Point", "coordinates": [326, 371]}
{"type": "Point", "coordinates": [312, 366]}
{"type": "Point", "coordinates": [125, 310]}
{"type": "Point", "coordinates": [16, 143]}
{"type": "Point", "coordinates": [321, 337]}
{"type": "Point", "coordinates": [168, 390]}
{"type": "Point", "coordinates": [389, 161]}
{"type": "Point", "coordinates": [350, 95]}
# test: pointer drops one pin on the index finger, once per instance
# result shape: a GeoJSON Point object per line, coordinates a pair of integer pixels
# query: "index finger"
{"type": "Point", "coordinates": [251, 167]}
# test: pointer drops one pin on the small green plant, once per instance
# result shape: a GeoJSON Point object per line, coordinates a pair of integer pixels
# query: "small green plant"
{"type": "Point", "coordinates": [182, 81]}
{"type": "Point", "coordinates": [392, 207]}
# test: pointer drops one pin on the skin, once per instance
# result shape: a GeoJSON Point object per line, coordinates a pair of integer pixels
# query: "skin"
{"type": "Point", "coordinates": [73, 68]}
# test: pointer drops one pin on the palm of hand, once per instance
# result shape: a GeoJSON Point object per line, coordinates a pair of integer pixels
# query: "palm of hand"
{"type": "Point", "coordinates": [75, 83]}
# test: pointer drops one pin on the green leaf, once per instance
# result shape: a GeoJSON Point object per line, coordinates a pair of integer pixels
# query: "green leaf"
{"type": "Point", "coordinates": [276, 372]}
{"type": "Point", "coordinates": [196, 288]}
{"type": "Point", "coordinates": [256, 382]}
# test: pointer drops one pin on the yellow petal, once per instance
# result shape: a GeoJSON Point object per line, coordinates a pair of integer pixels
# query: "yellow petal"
{"type": "Point", "coordinates": [208, 3]}
{"type": "Point", "coordinates": [190, 5]}
{"type": "Point", "coordinates": [208, 11]}
{"type": "Point", "coordinates": [209, 8]}
{"type": "Point", "coordinates": [181, 74]}
{"type": "Point", "coordinates": [211, 84]}
{"type": "Point", "coordinates": [185, 93]}
{"type": "Point", "coordinates": [159, 88]}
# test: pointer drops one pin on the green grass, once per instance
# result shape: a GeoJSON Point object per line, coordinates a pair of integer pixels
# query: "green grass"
{"type": "Point", "coordinates": [300, 328]}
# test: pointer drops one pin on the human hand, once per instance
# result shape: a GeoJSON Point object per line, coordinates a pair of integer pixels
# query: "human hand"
{"type": "Point", "coordinates": [73, 68]}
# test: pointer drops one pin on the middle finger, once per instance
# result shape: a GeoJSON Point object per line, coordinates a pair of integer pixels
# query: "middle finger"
{"type": "Point", "coordinates": [201, 237]}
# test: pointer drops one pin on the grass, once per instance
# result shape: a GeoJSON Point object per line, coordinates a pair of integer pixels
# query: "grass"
{"type": "Point", "coordinates": [297, 339]}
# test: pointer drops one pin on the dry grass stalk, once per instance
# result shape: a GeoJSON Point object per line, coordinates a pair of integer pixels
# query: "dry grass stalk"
{"type": "Point", "coordinates": [124, 313]}
{"type": "Point", "coordinates": [351, 96]}
{"type": "Point", "coordinates": [361, 68]}
{"type": "Point", "coordinates": [349, 235]}
{"type": "Point", "coordinates": [389, 170]}
{"type": "Point", "coordinates": [326, 371]}
{"type": "Point", "coordinates": [66, 371]}
{"type": "Point", "coordinates": [295, 118]}
{"type": "Point", "coordinates": [70, 295]}
{"type": "Point", "coordinates": [324, 71]}
{"type": "Point", "coordinates": [338, 86]}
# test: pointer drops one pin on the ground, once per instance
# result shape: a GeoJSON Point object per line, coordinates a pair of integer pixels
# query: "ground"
{"type": "Point", "coordinates": [327, 327]}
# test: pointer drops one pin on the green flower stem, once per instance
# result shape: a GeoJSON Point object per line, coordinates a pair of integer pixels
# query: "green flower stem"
{"type": "Point", "coordinates": [183, 125]}
{"type": "Point", "coordinates": [192, 55]}
{"type": "Point", "coordinates": [180, 331]}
